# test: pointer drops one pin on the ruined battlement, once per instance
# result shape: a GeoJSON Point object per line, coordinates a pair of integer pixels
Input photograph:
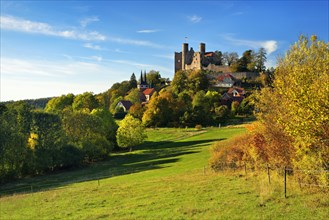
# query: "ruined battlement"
{"type": "Point", "coordinates": [189, 59]}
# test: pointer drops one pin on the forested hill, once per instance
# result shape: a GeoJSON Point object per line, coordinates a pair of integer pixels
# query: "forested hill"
{"type": "Point", "coordinates": [37, 103]}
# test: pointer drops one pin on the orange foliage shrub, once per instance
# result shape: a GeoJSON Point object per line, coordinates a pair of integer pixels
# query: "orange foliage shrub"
{"type": "Point", "coordinates": [229, 153]}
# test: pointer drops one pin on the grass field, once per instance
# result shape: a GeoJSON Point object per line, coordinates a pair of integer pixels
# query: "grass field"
{"type": "Point", "coordinates": [165, 178]}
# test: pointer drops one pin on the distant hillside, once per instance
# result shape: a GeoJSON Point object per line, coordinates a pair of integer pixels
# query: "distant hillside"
{"type": "Point", "coordinates": [37, 103]}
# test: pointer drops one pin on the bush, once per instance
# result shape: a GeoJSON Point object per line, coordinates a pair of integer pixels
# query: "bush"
{"type": "Point", "coordinates": [232, 153]}
{"type": "Point", "coordinates": [198, 127]}
{"type": "Point", "coordinates": [247, 148]}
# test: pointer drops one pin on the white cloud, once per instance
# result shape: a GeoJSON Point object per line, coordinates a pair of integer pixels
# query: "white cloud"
{"type": "Point", "coordinates": [194, 19]}
{"type": "Point", "coordinates": [135, 42]}
{"type": "Point", "coordinates": [269, 45]}
{"type": "Point", "coordinates": [93, 58]}
{"type": "Point", "coordinates": [93, 46]}
{"type": "Point", "coordinates": [148, 31]}
{"type": "Point", "coordinates": [120, 51]}
{"type": "Point", "coordinates": [86, 21]}
{"type": "Point", "coordinates": [27, 26]}
{"type": "Point", "coordinates": [28, 68]}
{"type": "Point", "coordinates": [26, 79]}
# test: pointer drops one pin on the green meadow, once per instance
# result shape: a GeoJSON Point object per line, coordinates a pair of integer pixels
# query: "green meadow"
{"type": "Point", "coordinates": [165, 178]}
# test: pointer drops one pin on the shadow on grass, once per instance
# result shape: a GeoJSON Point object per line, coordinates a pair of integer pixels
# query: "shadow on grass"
{"type": "Point", "coordinates": [148, 156]}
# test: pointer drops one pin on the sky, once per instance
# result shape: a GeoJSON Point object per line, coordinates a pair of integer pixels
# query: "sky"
{"type": "Point", "coordinates": [51, 48]}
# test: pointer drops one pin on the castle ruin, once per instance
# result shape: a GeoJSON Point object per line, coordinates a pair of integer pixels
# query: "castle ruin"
{"type": "Point", "coordinates": [189, 59]}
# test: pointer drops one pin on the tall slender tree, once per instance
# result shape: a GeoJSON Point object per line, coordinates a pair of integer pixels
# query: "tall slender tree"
{"type": "Point", "coordinates": [260, 60]}
{"type": "Point", "coordinates": [133, 81]}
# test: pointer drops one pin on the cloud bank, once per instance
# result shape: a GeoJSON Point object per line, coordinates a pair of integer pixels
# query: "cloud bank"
{"type": "Point", "coordinates": [269, 45]}
{"type": "Point", "coordinates": [148, 31]}
{"type": "Point", "coordinates": [194, 19]}
{"type": "Point", "coordinates": [86, 21]}
{"type": "Point", "coordinates": [27, 26]}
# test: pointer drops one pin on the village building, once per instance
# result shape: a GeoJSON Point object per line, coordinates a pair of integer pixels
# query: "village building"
{"type": "Point", "coordinates": [148, 94]}
{"type": "Point", "coordinates": [225, 81]}
{"type": "Point", "coordinates": [142, 84]}
{"type": "Point", "coordinates": [233, 94]}
{"type": "Point", "coordinates": [124, 104]}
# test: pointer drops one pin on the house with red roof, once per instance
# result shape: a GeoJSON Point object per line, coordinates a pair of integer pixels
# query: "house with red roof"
{"type": "Point", "coordinates": [233, 94]}
{"type": "Point", "coordinates": [148, 94]}
{"type": "Point", "coordinates": [225, 80]}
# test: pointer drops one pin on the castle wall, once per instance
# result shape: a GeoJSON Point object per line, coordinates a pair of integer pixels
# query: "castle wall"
{"type": "Point", "coordinates": [178, 61]}
{"type": "Point", "coordinates": [217, 68]}
{"type": "Point", "coordinates": [241, 75]}
{"type": "Point", "coordinates": [195, 61]}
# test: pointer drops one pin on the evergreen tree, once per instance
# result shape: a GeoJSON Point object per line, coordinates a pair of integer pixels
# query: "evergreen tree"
{"type": "Point", "coordinates": [133, 81]}
{"type": "Point", "coordinates": [260, 60]}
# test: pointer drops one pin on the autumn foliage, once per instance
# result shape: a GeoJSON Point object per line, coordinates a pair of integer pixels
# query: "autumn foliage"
{"type": "Point", "coordinates": [293, 116]}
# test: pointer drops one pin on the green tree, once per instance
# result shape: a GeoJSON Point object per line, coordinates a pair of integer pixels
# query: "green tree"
{"type": "Point", "coordinates": [213, 99]}
{"type": "Point", "coordinates": [154, 79]}
{"type": "Point", "coordinates": [56, 105]}
{"type": "Point", "coordinates": [234, 107]}
{"type": "Point", "coordinates": [197, 80]}
{"type": "Point", "coordinates": [201, 109]}
{"type": "Point", "coordinates": [85, 102]}
{"type": "Point", "coordinates": [246, 62]}
{"type": "Point", "coordinates": [221, 114]}
{"type": "Point", "coordinates": [130, 133]}
{"type": "Point", "coordinates": [110, 125]}
{"type": "Point", "coordinates": [137, 111]}
{"type": "Point", "coordinates": [23, 112]}
{"type": "Point", "coordinates": [260, 60]}
{"type": "Point", "coordinates": [247, 105]}
{"type": "Point", "coordinates": [13, 148]}
{"type": "Point", "coordinates": [159, 110]}
{"type": "Point", "coordinates": [199, 99]}
{"type": "Point", "coordinates": [133, 81]}
{"type": "Point", "coordinates": [184, 108]}
{"type": "Point", "coordinates": [134, 96]}
{"type": "Point", "coordinates": [89, 133]}
{"type": "Point", "coordinates": [46, 140]}
{"type": "Point", "coordinates": [179, 83]}
{"type": "Point", "coordinates": [113, 105]}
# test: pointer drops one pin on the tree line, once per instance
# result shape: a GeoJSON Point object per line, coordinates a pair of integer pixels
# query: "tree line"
{"type": "Point", "coordinates": [250, 61]}
{"type": "Point", "coordinates": [70, 132]}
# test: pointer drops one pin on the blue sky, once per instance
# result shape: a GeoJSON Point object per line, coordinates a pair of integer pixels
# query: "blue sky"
{"type": "Point", "coordinates": [50, 48]}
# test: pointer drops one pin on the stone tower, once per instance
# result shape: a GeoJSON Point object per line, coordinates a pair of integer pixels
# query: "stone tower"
{"type": "Point", "coordinates": [184, 54]}
{"type": "Point", "coordinates": [202, 48]}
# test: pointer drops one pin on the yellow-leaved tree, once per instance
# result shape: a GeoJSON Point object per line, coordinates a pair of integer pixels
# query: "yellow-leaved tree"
{"type": "Point", "coordinates": [295, 112]}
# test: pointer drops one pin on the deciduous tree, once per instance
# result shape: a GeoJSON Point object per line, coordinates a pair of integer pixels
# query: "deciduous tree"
{"type": "Point", "coordinates": [230, 58]}
{"type": "Point", "coordinates": [130, 133]}
{"type": "Point", "coordinates": [298, 106]}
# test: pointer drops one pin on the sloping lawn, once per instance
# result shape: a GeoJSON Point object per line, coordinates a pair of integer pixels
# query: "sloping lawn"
{"type": "Point", "coordinates": [165, 178]}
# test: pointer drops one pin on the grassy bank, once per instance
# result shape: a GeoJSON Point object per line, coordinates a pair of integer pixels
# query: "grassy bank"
{"type": "Point", "coordinates": [164, 178]}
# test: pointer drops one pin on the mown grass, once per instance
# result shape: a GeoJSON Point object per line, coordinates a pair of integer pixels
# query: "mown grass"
{"type": "Point", "coordinates": [165, 178]}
